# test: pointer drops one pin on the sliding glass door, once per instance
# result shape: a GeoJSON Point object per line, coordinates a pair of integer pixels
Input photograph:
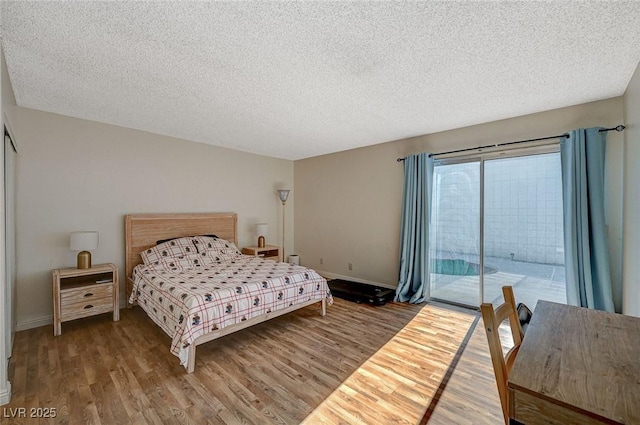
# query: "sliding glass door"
{"type": "Point", "coordinates": [497, 221]}
{"type": "Point", "coordinates": [455, 233]}
{"type": "Point", "coordinates": [523, 229]}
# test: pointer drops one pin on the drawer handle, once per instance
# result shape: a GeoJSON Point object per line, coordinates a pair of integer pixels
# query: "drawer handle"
{"type": "Point", "coordinates": [89, 294]}
{"type": "Point", "coordinates": [86, 307]}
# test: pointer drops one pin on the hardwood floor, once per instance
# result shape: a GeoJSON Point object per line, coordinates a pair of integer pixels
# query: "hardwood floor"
{"type": "Point", "coordinates": [357, 365]}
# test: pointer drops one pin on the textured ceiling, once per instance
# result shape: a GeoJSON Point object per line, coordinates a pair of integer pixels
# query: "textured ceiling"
{"type": "Point", "coordinates": [299, 79]}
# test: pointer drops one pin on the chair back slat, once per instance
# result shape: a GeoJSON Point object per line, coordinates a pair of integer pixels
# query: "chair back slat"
{"type": "Point", "coordinates": [502, 363]}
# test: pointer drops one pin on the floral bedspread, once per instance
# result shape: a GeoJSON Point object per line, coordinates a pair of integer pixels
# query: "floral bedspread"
{"type": "Point", "coordinates": [188, 299]}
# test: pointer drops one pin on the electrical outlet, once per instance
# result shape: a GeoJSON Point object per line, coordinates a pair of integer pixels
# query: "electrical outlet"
{"type": "Point", "coordinates": [350, 266]}
{"type": "Point", "coordinates": [321, 260]}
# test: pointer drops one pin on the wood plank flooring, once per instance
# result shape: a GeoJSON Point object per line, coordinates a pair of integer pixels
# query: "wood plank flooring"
{"type": "Point", "coordinates": [357, 365]}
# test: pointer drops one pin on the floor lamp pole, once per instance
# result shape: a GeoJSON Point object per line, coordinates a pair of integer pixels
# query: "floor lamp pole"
{"type": "Point", "coordinates": [283, 232]}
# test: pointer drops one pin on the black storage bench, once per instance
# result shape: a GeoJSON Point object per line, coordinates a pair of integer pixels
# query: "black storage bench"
{"type": "Point", "coordinates": [360, 292]}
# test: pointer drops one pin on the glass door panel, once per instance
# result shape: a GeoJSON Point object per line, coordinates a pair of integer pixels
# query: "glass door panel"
{"type": "Point", "coordinates": [455, 233]}
{"type": "Point", "coordinates": [523, 229]}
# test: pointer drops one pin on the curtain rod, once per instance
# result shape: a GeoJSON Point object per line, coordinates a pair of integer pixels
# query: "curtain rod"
{"type": "Point", "coordinates": [565, 135]}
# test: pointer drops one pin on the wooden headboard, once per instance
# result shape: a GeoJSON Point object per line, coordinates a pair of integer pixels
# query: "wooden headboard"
{"type": "Point", "coordinates": [142, 231]}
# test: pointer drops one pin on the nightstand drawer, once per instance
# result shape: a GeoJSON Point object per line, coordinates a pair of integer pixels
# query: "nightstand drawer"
{"type": "Point", "coordinates": [86, 308]}
{"type": "Point", "coordinates": [86, 293]}
{"type": "Point", "coordinates": [86, 301]}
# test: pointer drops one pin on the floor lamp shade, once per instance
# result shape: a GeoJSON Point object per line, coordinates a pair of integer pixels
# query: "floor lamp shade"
{"type": "Point", "coordinates": [284, 195]}
{"type": "Point", "coordinates": [262, 230]}
{"type": "Point", "coordinates": [83, 242]}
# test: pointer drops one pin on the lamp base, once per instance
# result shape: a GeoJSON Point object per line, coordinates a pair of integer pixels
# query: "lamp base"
{"type": "Point", "coordinates": [84, 260]}
{"type": "Point", "coordinates": [261, 242]}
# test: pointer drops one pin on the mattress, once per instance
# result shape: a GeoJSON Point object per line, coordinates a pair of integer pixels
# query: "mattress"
{"type": "Point", "coordinates": [189, 300]}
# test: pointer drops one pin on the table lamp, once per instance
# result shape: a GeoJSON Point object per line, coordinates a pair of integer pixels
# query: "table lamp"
{"type": "Point", "coordinates": [84, 242]}
{"type": "Point", "coordinates": [262, 230]}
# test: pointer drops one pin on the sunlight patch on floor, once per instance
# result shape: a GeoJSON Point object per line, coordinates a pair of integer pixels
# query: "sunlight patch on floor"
{"type": "Point", "coordinates": [396, 384]}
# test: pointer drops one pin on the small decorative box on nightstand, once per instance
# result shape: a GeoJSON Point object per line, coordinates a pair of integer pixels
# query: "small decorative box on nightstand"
{"type": "Point", "coordinates": [269, 252]}
{"type": "Point", "coordinates": [81, 293]}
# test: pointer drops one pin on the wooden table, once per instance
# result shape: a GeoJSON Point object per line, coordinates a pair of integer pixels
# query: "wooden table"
{"type": "Point", "coordinates": [577, 366]}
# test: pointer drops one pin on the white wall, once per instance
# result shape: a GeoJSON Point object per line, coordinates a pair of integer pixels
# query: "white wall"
{"type": "Point", "coordinates": [631, 261]}
{"type": "Point", "coordinates": [348, 204]}
{"type": "Point", "coordinates": [76, 174]}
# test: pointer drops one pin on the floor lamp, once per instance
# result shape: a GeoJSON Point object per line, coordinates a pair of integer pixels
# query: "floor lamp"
{"type": "Point", "coordinates": [284, 195]}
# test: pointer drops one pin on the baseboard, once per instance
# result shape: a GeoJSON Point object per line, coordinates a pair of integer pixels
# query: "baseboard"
{"type": "Point", "coordinates": [34, 323]}
{"type": "Point", "coordinates": [5, 394]}
{"type": "Point", "coordinates": [353, 279]}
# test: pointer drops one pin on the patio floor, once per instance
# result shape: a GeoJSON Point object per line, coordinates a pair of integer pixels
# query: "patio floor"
{"type": "Point", "coordinates": [531, 282]}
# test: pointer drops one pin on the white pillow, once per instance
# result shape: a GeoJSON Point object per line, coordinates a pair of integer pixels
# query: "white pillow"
{"type": "Point", "coordinates": [173, 249]}
{"type": "Point", "coordinates": [211, 244]}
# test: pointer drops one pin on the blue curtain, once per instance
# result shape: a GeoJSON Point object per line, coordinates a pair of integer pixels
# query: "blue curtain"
{"type": "Point", "coordinates": [413, 281]}
{"type": "Point", "coordinates": [586, 255]}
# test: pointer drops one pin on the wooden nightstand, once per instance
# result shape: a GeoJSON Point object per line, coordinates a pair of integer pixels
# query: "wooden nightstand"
{"type": "Point", "coordinates": [81, 293]}
{"type": "Point", "coordinates": [269, 252]}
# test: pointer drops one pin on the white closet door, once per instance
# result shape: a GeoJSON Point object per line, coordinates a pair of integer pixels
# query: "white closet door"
{"type": "Point", "coordinates": [10, 240]}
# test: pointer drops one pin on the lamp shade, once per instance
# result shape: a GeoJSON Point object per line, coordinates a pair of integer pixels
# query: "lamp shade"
{"type": "Point", "coordinates": [262, 229]}
{"type": "Point", "coordinates": [84, 241]}
{"type": "Point", "coordinates": [284, 195]}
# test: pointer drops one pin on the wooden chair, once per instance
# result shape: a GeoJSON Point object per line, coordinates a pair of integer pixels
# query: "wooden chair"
{"type": "Point", "coordinates": [502, 363]}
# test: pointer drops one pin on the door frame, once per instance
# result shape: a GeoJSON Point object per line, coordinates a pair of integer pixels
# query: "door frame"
{"type": "Point", "coordinates": [481, 158]}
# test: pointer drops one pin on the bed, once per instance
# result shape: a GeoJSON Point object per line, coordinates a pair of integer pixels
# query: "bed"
{"type": "Point", "coordinates": [186, 273]}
